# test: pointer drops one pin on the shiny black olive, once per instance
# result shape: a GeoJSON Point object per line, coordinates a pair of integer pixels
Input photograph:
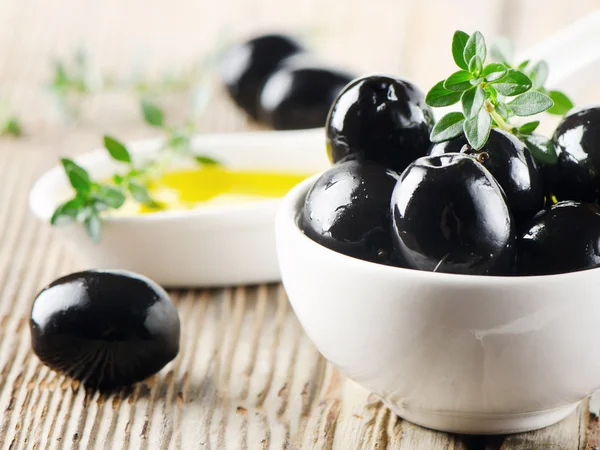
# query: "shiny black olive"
{"type": "Point", "coordinates": [246, 67]}
{"type": "Point", "coordinates": [511, 163]}
{"type": "Point", "coordinates": [347, 210]}
{"type": "Point", "coordinates": [577, 141]}
{"type": "Point", "coordinates": [562, 238]}
{"type": "Point", "coordinates": [299, 95]}
{"type": "Point", "coordinates": [449, 214]}
{"type": "Point", "coordinates": [379, 118]}
{"type": "Point", "coordinates": [105, 328]}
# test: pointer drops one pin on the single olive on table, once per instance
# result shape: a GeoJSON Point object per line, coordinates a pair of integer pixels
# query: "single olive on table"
{"type": "Point", "coordinates": [510, 162]}
{"type": "Point", "coordinates": [246, 67]}
{"type": "Point", "coordinates": [105, 328]}
{"type": "Point", "coordinates": [300, 93]}
{"type": "Point", "coordinates": [379, 118]}
{"type": "Point", "coordinates": [347, 210]}
{"type": "Point", "coordinates": [449, 214]}
{"type": "Point", "coordinates": [562, 238]}
{"type": "Point", "coordinates": [576, 176]}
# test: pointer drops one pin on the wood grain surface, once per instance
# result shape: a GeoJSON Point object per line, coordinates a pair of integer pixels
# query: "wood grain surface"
{"type": "Point", "coordinates": [246, 377]}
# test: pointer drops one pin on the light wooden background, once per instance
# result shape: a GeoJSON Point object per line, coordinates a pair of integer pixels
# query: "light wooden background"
{"type": "Point", "coordinates": [247, 377]}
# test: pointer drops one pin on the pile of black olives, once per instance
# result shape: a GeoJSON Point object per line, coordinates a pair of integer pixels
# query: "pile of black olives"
{"type": "Point", "coordinates": [105, 328]}
{"type": "Point", "coordinates": [394, 198]}
{"type": "Point", "coordinates": [276, 81]}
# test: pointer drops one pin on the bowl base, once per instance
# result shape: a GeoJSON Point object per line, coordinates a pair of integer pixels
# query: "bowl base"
{"type": "Point", "coordinates": [484, 423]}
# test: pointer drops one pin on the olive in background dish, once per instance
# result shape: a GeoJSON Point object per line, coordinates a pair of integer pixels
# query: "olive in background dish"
{"type": "Point", "coordinates": [105, 328]}
{"type": "Point", "coordinates": [379, 118]}
{"type": "Point", "coordinates": [299, 94]}
{"type": "Point", "coordinates": [449, 214]}
{"type": "Point", "coordinates": [510, 162]}
{"type": "Point", "coordinates": [576, 176]}
{"type": "Point", "coordinates": [348, 210]}
{"type": "Point", "coordinates": [246, 67]}
{"type": "Point", "coordinates": [563, 238]}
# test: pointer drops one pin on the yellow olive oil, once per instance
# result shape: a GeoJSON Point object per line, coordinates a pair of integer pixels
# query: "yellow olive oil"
{"type": "Point", "coordinates": [213, 185]}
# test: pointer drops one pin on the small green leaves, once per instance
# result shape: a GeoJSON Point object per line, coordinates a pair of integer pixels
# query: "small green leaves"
{"type": "Point", "coordinates": [66, 212]}
{"type": "Point", "coordinates": [439, 96]}
{"type": "Point", "coordinates": [153, 115]}
{"type": "Point", "coordinates": [77, 175]}
{"type": "Point", "coordinates": [117, 150]}
{"type": "Point", "coordinates": [11, 127]}
{"type": "Point", "coordinates": [459, 41]}
{"type": "Point", "coordinates": [458, 81]}
{"type": "Point", "coordinates": [539, 74]}
{"type": "Point", "coordinates": [140, 193]}
{"type": "Point", "coordinates": [530, 103]}
{"type": "Point", "coordinates": [111, 196]}
{"type": "Point", "coordinates": [206, 160]}
{"type": "Point", "coordinates": [502, 110]}
{"type": "Point", "coordinates": [475, 66]}
{"type": "Point", "coordinates": [529, 127]}
{"type": "Point", "coordinates": [472, 101]}
{"type": "Point", "coordinates": [562, 103]}
{"type": "Point", "coordinates": [477, 129]}
{"type": "Point", "coordinates": [448, 127]}
{"type": "Point", "coordinates": [475, 46]}
{"type": "Point", "coordinates": [93, 225]}
{"type": "Point", "coordinates": [513, 83]}
{"type": "Point", "coordinates": [493, 72]}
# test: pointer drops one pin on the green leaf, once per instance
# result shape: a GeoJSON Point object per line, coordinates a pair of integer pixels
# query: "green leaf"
{"type": "Point", "coordinates": [206, 160]}
{"type": "Point", "coordinates": [477, 129]}
{"type": "Point", "coordinates": [562, 103]}
{"type": "Point", "coordinates": [542, 149]}
{"type": "Point", "coordinates": [513, 83]}
{"type": "Point", "coordinates": [472, 101]}
{"type": "Point", "coordinates": [494, 71]}
{"type": "Point", "coordinates": [117, 150]}
{"type": "Point", "coordinates": [539, 74]}
{"type": "Point", "coordinates": [529, 127]}
{"type": "Point", "coordinates": [502, 109]}
{"type": "Point", "coordinates": [530, 103]}
{"type": "Point", "coordinates": [439, 96]}
{"type": "Point", "coordinates": [12, 127]}
{"type": "Point", "coordinates": [502, 50]}
{"type": "Point", "coordinates": [491, 92]}
{"type": "Point", "coordinates": [111, 196]}
{"type": "Point", "coordinates": [523, 65]}
{"type": "Point", "coordinates": [475, 47]}
{"type": "Point", "coordinates": [140, 193]}
{"type": "Point", "coordinates": [475, 66]}
{"type": "Point", "coordinates": [448, 127]}
{"type": "Point", "coordinates": [458, 81]}
{"type": "Point", "coordinates": [78, 176]}
{"type": "Point", "coordinates": [66, 212]}
{"type": "Point", "coordinates": [153, 115]}
{"type": "Point", "coordinates": [93, 225]}
{"type": "Point", "coordinates": [459, 41]}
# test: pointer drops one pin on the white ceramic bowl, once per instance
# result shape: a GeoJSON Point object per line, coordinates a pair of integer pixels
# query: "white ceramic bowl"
{"type": "Point", "coordinates": [224, 245]}
{"type": "Point", "coordinates": [459, 353]}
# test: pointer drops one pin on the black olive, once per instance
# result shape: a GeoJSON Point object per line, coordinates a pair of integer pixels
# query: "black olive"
{"type": "Point", "coordinates": [562, 238]}
{"type": "Point", "coordinates": [299, 94]}
{"type": "Point", "coordinates": [576, 176]}
{"type": "Point", "coordinates": [347, 210]}
{"type": "Point", "coordinates": [246, 67]}
{"type": "Point", "coordinates": [511, 163]}
{"type": "Point", "coordinates": [449, 214]}
{"type": "Point", "coordinates": [105, 328]}
{"type": "Point", "coordinates": [379, 118]}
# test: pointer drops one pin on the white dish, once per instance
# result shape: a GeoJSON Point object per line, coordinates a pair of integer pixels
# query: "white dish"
{"type": "Point", "coordinates": [459, 353]}
{"type": "Point", "coordinates": [214, 246]}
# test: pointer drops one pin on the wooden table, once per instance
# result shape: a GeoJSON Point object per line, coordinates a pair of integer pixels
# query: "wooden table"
{"type": "Point", "coordinates": [247, 377]}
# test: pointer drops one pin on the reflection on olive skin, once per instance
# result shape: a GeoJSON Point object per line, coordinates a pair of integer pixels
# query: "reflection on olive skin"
{"type": "Point", "coordinates": [382, 119]}
{"type": "Point", "coordinates": [347, 210]}
{"type": "Point", "coordinates": [563, 238]}
{"type": "Point", "coordinates": [577, 141]}
{"type": "Point", "coordinates": [105, 328]}
{"type": "Point", "coordinates": [450, 215]}
{"type": "Point", "coordinates": [512, 165]}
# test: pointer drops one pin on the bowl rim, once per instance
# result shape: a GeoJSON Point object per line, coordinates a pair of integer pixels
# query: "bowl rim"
{"type": "Point", "coordinates": [290, 209]}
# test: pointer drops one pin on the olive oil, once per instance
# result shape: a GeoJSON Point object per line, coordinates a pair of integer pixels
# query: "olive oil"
{"type": "Point", "coordinates": [212, 186]}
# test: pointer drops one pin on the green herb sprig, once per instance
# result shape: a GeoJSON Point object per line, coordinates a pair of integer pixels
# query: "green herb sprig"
{"type": "Point", "coordinates": [11, 126]}
{"type": "Point", "coordinates": [91, 198]}
{"type": "Point", "coordinates": [491, 94]}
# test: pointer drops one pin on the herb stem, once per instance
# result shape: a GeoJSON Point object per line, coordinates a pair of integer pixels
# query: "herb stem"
{"type": "Point", "coordinates": [489, 107]}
